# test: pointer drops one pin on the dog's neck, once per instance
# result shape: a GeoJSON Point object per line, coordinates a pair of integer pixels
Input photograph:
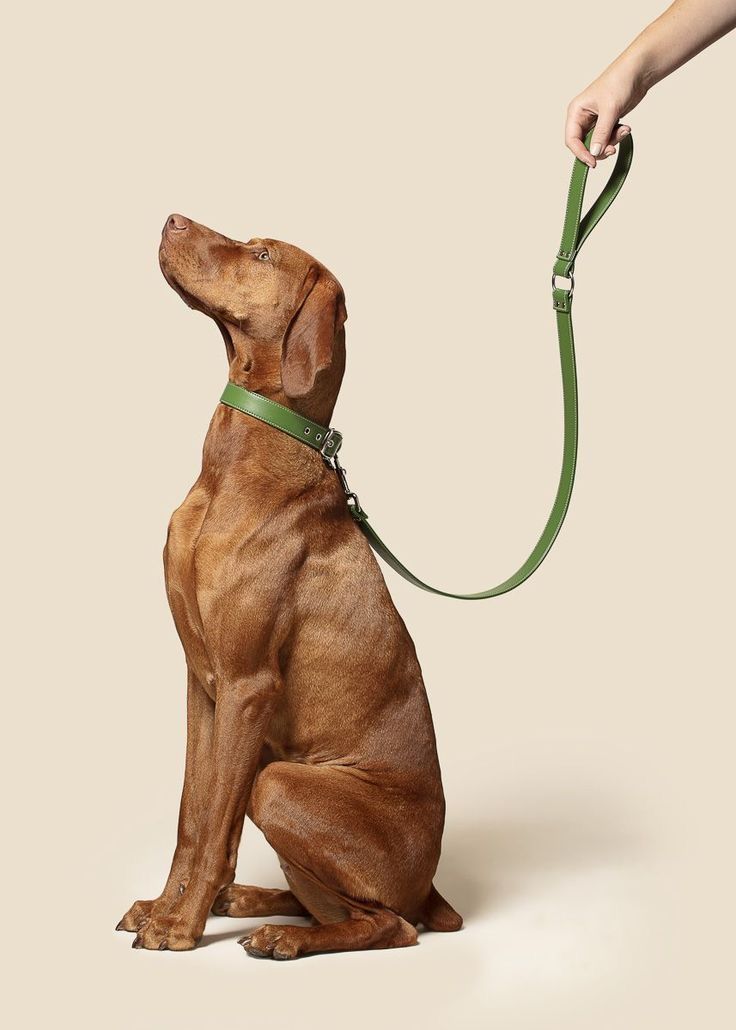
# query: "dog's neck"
{"type": "Point", "coordinates": [245, 454]}
{"type": "Point", "coordinates": [256, 365]}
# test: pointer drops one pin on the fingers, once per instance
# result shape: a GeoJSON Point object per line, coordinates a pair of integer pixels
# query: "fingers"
{"type": "Point", "coordinates": [581, 116]}
{"type": "Point", "coordinates": [620, 133]}
{"type": "Point", "coordinates": [603, 131]}
{"type": "Point", "coordinates": [606, 135]}
{"type": "Point", "coordinates": [578, 148]}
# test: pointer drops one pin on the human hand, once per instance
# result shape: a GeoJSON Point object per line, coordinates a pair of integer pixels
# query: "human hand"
{"type": "Point", "coordinates": [612, 95]}
{"type": "Point", "coordinates": [678, 34]}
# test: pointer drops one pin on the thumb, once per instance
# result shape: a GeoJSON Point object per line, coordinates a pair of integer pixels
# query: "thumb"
{"type": "Point", "coordinates": [603, 131]}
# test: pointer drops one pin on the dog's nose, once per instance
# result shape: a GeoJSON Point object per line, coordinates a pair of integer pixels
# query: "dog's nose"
{"type": "Point", "coordinates": [178, 223]}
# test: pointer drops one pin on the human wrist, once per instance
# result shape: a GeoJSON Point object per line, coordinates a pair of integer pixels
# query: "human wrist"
{"type": "Point", "coordinates": [636, 71]}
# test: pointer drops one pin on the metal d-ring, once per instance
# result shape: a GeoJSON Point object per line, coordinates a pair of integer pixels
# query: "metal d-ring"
{"type": "Point", "coordinates": [569, 276]}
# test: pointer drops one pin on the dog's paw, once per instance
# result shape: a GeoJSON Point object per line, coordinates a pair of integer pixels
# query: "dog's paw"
{"type": "Point", "coordinates": [136, 916]}
{"type": "Point", "coordinates": [271, 941]}
{"type": "Point", "coordinates": [223, 901]}
{"type": "Point", "coordinates": [165, 933]}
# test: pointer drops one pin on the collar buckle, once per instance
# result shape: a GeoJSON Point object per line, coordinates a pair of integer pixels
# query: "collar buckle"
{"type": "Point", "coordinates": [331, 445]}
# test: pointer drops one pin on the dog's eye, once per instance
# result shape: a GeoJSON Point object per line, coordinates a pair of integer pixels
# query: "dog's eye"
{"type": "Point", "coordinates": [264, 256]}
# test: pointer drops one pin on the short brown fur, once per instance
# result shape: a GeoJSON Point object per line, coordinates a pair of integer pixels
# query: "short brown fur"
{"type": "Point", "coordinates": [306, 707]}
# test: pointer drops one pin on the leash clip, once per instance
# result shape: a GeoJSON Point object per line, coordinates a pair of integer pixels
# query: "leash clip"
{"type": "Point", "coordinates": [351, 497]}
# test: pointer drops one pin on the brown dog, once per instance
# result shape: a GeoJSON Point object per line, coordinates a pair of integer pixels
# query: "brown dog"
{"type": "Point", "coordinates": [305, 702]}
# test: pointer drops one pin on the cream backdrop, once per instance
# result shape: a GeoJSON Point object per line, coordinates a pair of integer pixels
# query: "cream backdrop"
{"type": "Point", "coordinates": [585, 722]}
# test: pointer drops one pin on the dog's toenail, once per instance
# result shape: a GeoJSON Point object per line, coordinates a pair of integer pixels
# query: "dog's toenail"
{"type": "Point", "coordinates": [137, 943]}
{"type": "Point", "coordinates": [245, 941]}
{"type": "Point", "coordinates": [120, 925]}
{"type": "Point", "coordinates": [163, 946]}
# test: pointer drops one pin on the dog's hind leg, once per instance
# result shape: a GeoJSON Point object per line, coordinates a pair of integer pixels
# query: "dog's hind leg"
{"type": "Point", "coordinates": [438, 914]}
{"type": "Point", "coordinates": [243, 901]}
{"type": "Point", "coordinates": [359, 856]}
{"type": "Point", "coordinates": [362, 930]}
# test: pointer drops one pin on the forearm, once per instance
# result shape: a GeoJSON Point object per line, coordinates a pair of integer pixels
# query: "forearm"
{"type": "Point", "coordinates": [678, 34]}
{"type": "Point", "coordinates": [681, 32]}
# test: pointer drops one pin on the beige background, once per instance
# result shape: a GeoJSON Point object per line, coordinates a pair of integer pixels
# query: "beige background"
{"type": "Point", "coordinates": [585, 722]}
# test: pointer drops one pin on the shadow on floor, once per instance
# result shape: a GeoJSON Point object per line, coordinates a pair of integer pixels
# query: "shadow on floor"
{"type": "Point", "coordinates": [486, 864]}
{"type": "Point", "coordinates": [230, 929]}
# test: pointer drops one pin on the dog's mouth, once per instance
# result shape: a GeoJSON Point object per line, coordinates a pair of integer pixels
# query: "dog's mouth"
{"type": "Point", "coordinates": [189, 299]}
{"type": "Point", "coordinates": [165, 264]}
{"type": "Point", "coordinates": [173, 234]}
{"type": "Point", "coordinates": [192, 302]}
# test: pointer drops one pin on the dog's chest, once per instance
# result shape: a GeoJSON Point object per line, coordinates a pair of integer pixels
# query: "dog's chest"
{"type": "Point", "coordinates": [185, 527]}
{"type": "Point", "coordinates": [217, 561]}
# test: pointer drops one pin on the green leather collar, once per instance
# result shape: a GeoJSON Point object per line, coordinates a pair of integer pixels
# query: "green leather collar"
{"type": "Point", "coordinates": [320, 438]}
{"type": "Point", "coordinates": [327, 441]}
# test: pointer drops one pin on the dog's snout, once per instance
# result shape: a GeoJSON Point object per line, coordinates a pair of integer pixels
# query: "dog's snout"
{"type": "Point", "coordinates": [177, 223]}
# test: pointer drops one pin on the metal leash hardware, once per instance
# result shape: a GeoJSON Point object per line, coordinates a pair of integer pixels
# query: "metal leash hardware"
{"type": "Point", "coordinates": [332, 461]}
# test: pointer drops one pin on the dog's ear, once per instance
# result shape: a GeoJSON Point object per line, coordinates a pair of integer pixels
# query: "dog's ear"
{"type": "Point", "coordinates": [310, 343]}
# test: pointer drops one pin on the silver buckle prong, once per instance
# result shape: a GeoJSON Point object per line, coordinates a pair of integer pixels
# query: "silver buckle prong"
{"type": "Point", "coordinates": [331, 445]}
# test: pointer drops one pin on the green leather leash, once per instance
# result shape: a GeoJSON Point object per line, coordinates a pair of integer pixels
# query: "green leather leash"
{"type": "Point", "coordinates": [327, 441]}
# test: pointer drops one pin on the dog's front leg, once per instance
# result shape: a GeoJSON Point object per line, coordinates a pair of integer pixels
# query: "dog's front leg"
{"type": "Point", "coordinates": [242, 713]}
{"type": "Point", "coordinates": [200, 729]}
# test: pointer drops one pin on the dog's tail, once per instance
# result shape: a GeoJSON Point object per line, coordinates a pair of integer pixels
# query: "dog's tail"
{"type": "Point", "coordinates": [438, 915]}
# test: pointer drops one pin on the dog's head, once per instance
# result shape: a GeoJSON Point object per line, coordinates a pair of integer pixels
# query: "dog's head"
{"type": "Point", "coordinates": [280, 311]}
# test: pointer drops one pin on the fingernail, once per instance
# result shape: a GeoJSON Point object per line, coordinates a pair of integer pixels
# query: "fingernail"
{"type": "Point", "coordinates": [625, 130]}
{"type": "Point", "coordinates": [595, 149]}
